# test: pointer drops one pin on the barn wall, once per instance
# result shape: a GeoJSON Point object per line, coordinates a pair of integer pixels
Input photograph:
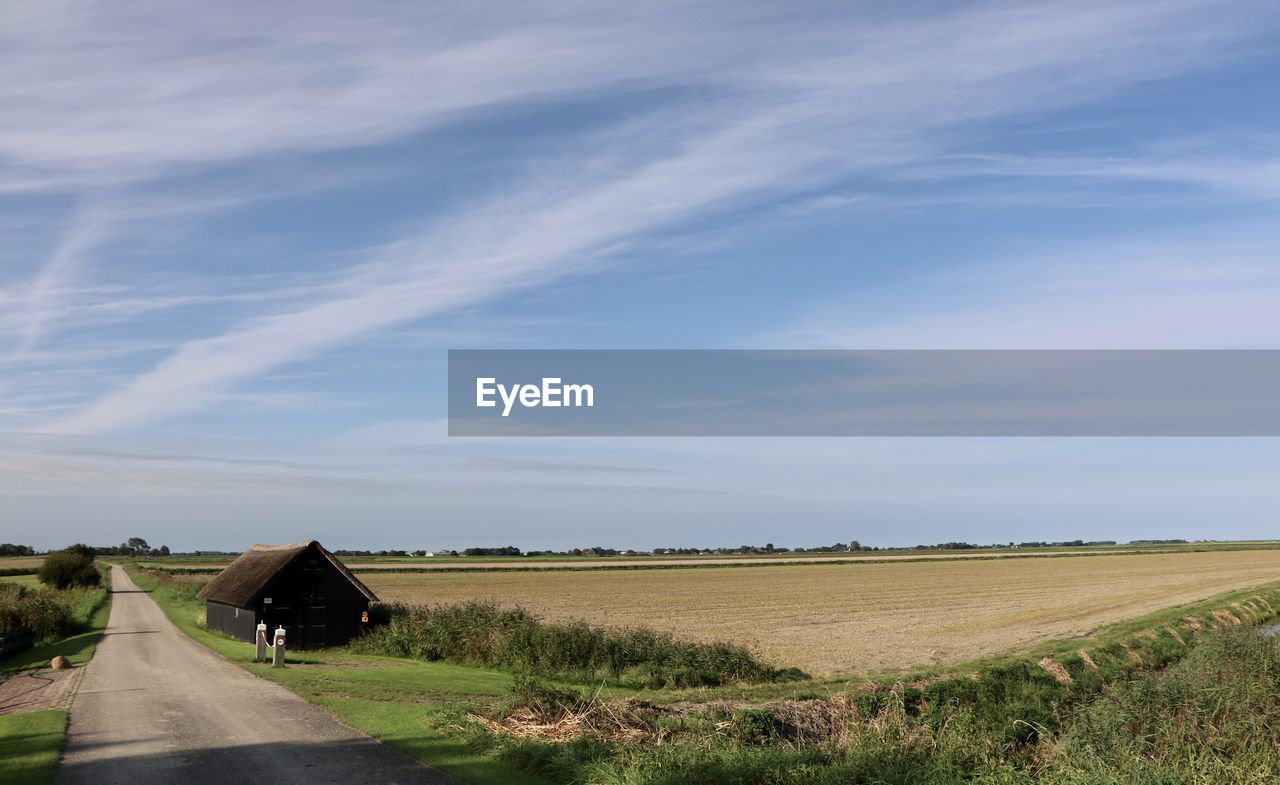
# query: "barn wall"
{"type": "Point", "coordinates": [315, 603]}
{"type": "Point", "coordinates": [241, 623]}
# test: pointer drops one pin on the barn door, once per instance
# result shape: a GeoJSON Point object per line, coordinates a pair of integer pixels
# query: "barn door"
{"type": "Point", "coordinates": [315, 613]}
{"type": "Point", "coordinates": [317, 625]}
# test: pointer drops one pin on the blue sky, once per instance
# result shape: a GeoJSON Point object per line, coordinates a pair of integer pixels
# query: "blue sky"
{"type": "Point", "coordinates": [238, 243]}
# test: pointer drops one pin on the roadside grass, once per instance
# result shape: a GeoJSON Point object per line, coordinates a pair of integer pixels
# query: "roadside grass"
{"type": "Point", "coordinates": [403, 703]}
{"type": "Point", "coordinates": [30, 744]}
{"type": "Point", "coordinates": [90, 609]}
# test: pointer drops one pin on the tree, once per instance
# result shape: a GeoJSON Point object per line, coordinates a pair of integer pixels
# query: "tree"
{"type": "Point", "coordinates": [138, 546]}
{"type": "Point", "coordinates": [855, 546]}
{"type": "Point", "coordinates": [65, 569]}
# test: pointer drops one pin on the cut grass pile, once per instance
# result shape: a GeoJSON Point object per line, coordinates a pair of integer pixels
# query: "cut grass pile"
{"type": "Point", "coordinates": [483, 634]}
{"type": "Point", "coordinates": [30, 744]}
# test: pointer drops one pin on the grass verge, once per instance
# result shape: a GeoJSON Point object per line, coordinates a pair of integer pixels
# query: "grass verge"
{"type": "Point", "coordinates": [30, 744]}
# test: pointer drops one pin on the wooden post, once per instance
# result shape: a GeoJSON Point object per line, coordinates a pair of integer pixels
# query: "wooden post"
{"type": "Point", "coordinates": [260, 650]}
{"type": "Point", "coordinates": [277, 651]}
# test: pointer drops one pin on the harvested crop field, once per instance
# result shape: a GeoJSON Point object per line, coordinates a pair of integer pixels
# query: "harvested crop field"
{"type": "Point", "coordinates": [20, 562]}
{"type": "Point", "coordinates": [859, 618]}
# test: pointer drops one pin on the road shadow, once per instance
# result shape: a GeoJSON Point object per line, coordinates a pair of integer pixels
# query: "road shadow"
{"type": "Point", "coordinates": [350, 762]}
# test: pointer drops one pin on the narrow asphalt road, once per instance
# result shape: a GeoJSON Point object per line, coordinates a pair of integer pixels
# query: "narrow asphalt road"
{"type": "Point", "coordinates": [157, 708]}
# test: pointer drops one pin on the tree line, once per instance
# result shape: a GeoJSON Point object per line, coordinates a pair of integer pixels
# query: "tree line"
{"type": "Point", "coordinates": [134, 546]}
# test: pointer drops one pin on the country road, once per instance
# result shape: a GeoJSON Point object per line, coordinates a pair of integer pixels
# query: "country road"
{"type": "Point", "coordinates": [156, 708]}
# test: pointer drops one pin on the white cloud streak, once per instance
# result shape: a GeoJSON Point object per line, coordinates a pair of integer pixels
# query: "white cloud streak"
{"type": "Point", "coordinates": [781, 103]}
{"type": "Point", "coordinates": [1187, 290]}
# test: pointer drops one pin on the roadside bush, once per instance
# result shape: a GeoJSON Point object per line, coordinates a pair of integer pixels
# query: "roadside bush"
{"type": "Point", "coordinates": [67, 569]}
{"type": "Point", "coordinates": [485, 634]}
{"type": "Point", "coordinates": [42, 611]}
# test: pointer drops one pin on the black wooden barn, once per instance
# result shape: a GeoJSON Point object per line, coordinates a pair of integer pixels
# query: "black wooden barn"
{"type": "Point", "coordinates": [301, 587]}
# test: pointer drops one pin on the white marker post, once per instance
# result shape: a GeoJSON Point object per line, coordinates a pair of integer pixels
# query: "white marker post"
{"type": "Point", "coordinates": [260, 652]}
{"type": "Point", "coordinates": [277, 651]}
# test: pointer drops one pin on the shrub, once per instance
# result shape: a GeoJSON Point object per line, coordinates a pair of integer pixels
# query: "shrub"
{"type": "Point", "coordinates": [485, 634]}
{"type": "Point", "coordinates": [754, 726]}
{"type": "Point", "coordinates": [66, 569]}
{"type": "Point", "coordinates": [543, 699]}
{"type": "Point", "coordinates": [42, 611]}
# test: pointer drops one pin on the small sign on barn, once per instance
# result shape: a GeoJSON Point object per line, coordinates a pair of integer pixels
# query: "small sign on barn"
{"type": "Point", "coordinates": [301, 587]}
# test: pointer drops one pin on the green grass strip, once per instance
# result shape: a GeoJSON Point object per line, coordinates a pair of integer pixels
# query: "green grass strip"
{"type": "Point", "coordinates": [30, 744]}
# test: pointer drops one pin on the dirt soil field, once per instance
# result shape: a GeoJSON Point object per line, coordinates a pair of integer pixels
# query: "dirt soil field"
{"type": "Point", "coordinates": [859, 618]}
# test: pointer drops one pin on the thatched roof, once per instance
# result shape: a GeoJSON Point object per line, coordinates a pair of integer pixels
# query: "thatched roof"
{"type": "Point", "coordinates": [246, 577]}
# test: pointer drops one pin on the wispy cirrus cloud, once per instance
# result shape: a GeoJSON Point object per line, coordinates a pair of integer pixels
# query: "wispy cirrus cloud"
{"type": "Point", "coordinates": [1246, 166]}
{"type": "Point", "coordinates": [742, 108]}
{"type": "Point", "coordinates": [1190, 289]}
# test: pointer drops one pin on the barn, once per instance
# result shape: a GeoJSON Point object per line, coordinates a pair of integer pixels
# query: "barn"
{"type": "Point", "coordinates": [301, 587]}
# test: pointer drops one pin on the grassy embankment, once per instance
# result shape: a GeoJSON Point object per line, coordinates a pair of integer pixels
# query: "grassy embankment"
{"type": "Point", "coordinates": [999, 721]}
{"type": "Point", "coordinates": [1188, 695]}
{"type": "Point", "coordinates": [1210, 719]}
{"type": "Point", "coordinates": [31, 742]}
